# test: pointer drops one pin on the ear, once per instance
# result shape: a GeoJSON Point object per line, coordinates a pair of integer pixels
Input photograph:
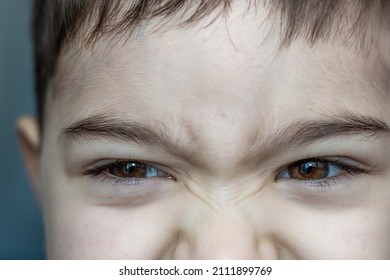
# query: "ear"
{"type": "Point", "coordinates": [28, 134]}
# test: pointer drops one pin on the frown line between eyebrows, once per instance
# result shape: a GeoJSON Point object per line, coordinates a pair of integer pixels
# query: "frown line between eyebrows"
{"type": "Point", "coordinates": [157, 135]}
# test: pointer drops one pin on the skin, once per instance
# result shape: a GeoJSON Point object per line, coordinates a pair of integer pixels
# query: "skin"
{"type": "Point", "coordinates": [219, 93]}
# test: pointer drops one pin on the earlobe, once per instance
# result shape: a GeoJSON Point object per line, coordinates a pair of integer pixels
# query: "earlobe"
{"type": "Point", "coordinates": [29, 140]}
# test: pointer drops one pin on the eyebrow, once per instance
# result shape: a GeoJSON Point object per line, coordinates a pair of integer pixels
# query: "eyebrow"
{"type": "Point", "coordinates": [150, 134]}
{"type": "Point", "coordinates": [303, 133]}
{"type": "Point", "coordinates": [156, 134]}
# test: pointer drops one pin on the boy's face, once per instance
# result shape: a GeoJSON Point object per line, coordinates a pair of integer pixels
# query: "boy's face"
{"type": "Point", "coordinates": [211, 143]}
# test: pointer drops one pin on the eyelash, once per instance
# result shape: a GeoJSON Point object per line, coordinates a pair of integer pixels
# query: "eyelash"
{"type": "Point", "coordinates": [98, 169]}
{"type": "Point", "coordinates": [347, 170]}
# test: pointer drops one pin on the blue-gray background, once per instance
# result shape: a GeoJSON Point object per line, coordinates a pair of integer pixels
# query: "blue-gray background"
{"type": "Point", "coordinates": [21, 234]}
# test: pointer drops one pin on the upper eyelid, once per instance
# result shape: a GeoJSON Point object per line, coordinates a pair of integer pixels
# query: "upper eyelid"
{"type": "Point", "coordinates": [110, 162]}
{"type": "Point", "coordinates": [97, 167]}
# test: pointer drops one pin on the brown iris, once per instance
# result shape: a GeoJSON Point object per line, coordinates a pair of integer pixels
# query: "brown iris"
{"type": "Point", "coordinates": [309, 170]}
{"type": "Point", "coordinates": [128, 169]}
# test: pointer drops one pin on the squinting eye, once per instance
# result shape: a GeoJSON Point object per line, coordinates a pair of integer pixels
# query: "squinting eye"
{"type": "Point", "coordinates": [133, 169]}
{"type": "Point", "coordinates": [128, 170]}
{"type": "Point", "coordinates": [317, 170]}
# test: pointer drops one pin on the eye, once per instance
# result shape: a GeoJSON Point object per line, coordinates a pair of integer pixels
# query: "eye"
{"type": "Point", "coordinates": [127, 170]}
{"type": "Point", "coordinates": [318, 170]}
{"type": "Point", "coordinates": [130, 182]}
{"type": "Point", "coordinates": [311, 170]}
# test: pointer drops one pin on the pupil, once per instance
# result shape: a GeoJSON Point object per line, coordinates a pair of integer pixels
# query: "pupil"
{"type": "Point", "coordinates": [308, 167]}
{"type": "Point", "coordinates": [129, 167]}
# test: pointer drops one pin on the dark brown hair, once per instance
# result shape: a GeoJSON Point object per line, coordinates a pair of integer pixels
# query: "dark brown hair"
{"type": "Point", "coordinates": [57, 22]}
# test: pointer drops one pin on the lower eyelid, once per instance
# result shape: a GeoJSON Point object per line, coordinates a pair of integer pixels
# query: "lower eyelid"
{"type": "Point", "coordinates": [112, 191]}
{"type": "Point", "coordinates": [107, 177]}
{"type": "Point", "coordinates": [107, 189]}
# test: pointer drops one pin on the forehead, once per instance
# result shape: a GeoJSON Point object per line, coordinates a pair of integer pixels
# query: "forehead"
{"type": "Point", "coordinates": [230, 78]}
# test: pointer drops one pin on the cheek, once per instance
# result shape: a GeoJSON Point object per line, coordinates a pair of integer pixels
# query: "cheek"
{"type": "Point", "coordinates": [102, 232]}
{"type": "Point", "coordinates": [362, 233]}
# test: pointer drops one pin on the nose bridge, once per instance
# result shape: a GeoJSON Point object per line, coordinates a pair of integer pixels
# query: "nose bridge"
{"type": "Point", "coordinates": [226, 235]}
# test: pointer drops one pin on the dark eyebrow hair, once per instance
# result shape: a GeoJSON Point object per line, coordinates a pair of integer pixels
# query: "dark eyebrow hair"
{"type": "Point", "coordinates": [154, 134]}
{"type": "Point", "coordinates": [303, 133]}
{"type": "Point", "coordinates": [103, 126]}
{"type": "Point", "coordinates": [151, 133]}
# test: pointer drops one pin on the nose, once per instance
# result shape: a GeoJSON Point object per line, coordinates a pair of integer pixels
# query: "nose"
{"type": "Point", "coordinates": [224, 236]}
